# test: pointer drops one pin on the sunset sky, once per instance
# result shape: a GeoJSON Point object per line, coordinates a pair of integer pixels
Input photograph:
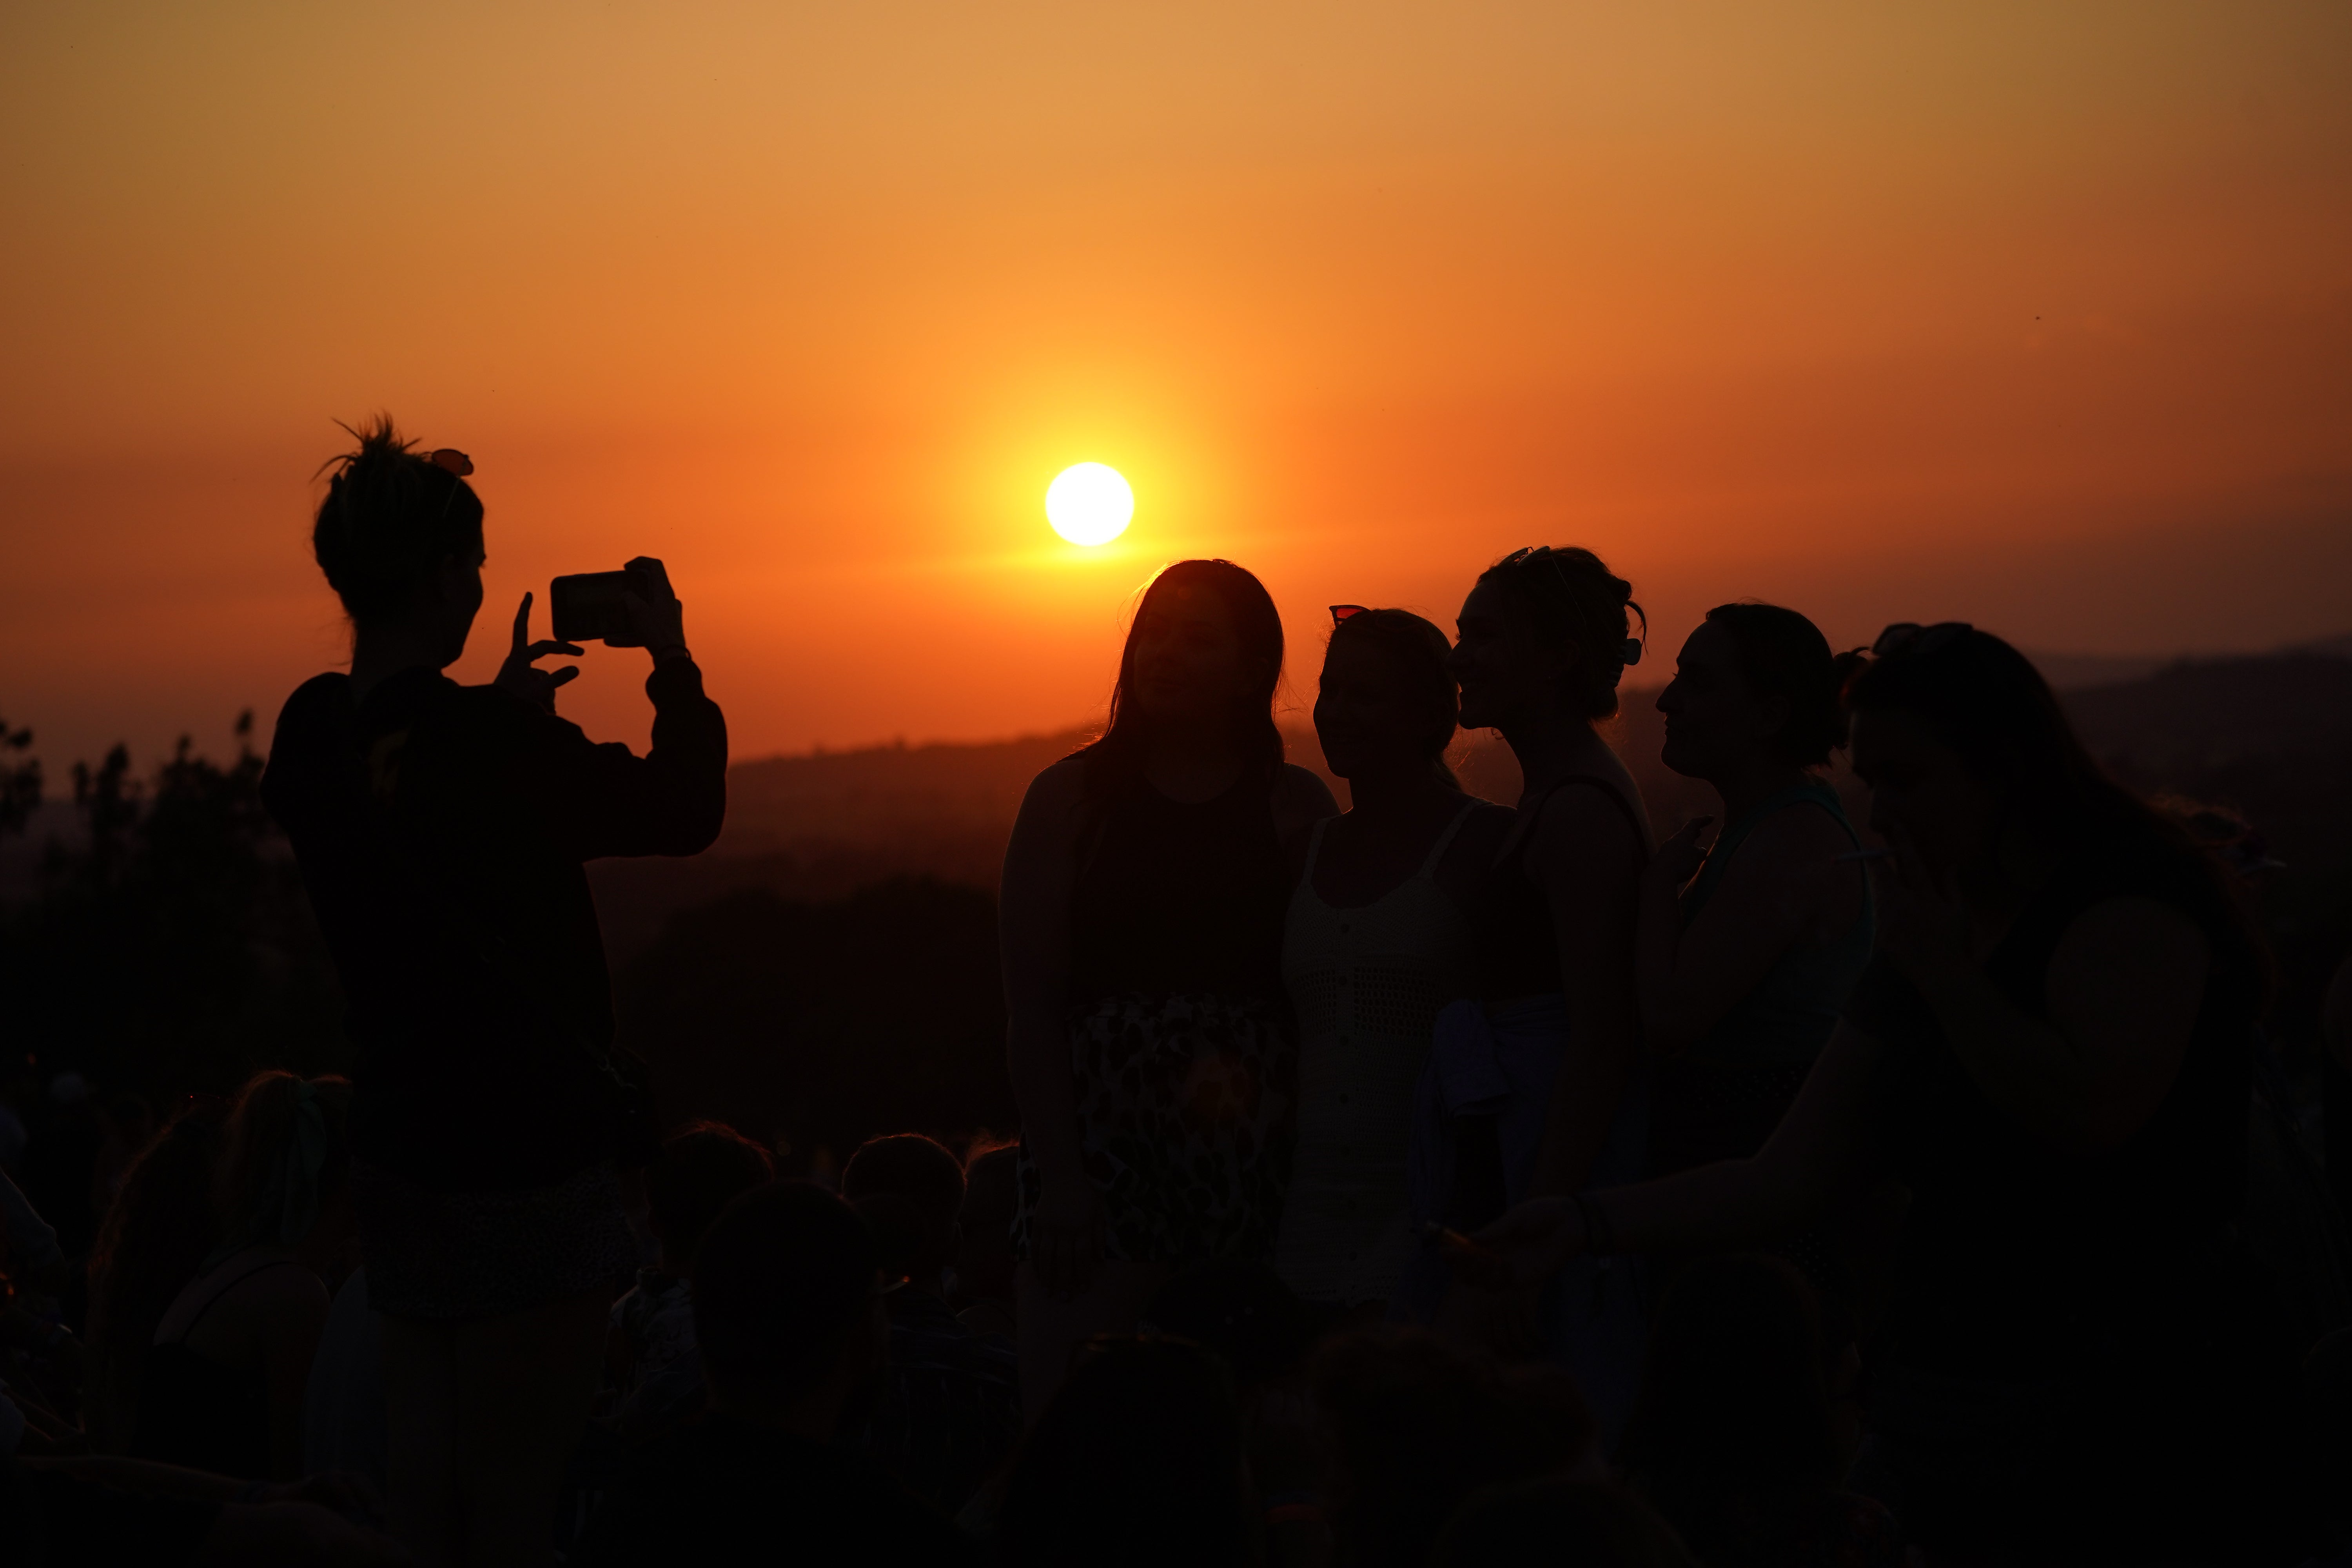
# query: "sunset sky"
{"type": "Point", "coordinates": [2034, 314]}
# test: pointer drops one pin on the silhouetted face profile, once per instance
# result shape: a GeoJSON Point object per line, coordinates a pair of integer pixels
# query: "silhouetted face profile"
{"type": "Point", "coordinates": [1923, 797]}
{"type": "Point", "coordinates": [1367, 714]}
{"type": "Point", "coordinates": [1505, 669]}
{"type": "Point", "coordinates": [1716, 721]}
{"type": "Point", "coordinates": [450, 601]}
{"type": "Point", "coordinates": [1189, 665]}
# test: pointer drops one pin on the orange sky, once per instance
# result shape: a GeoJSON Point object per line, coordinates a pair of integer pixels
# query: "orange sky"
{"type": "Point", "coordinates": [2036, 315]}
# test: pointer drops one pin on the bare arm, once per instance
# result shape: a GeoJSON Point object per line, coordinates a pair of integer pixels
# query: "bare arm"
{"type": "Point", "coordinates": [1588, 861]}
{"type": "Point", "coordinates": [2122, 988]}
{"type": "Point", "coordinates": [1783, 887]}
{"type": "Point", "coordinates": [1818, 1146]}
{"type": "Point", "coordinates": [1034, 931]}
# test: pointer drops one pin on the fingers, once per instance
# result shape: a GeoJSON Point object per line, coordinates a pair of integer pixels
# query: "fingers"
{"type": "Point", "coordinates": [548, 647]}
{"type": "Point", "coordinates": [522, 625]}
{"type": "Point", "coordinates": [569, 673]}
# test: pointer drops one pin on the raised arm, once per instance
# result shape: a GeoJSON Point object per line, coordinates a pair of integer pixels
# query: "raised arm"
{"type": "Point", "coordinates": [1066, 1234]}
{"type": "Point", "coordinates": [1783, 887]}
{"type": "Point", "coordinates": [606, 800]}
{"type": "Point", "coordinates": [1588, 861]}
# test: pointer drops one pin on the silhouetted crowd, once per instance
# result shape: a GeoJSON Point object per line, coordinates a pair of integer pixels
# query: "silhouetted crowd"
{"type": "Point", "coordinates": [1429, 1183]}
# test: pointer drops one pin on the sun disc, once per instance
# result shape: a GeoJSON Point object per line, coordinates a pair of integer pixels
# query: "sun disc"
{"type": "Point", "coordinates": [1090, 503]}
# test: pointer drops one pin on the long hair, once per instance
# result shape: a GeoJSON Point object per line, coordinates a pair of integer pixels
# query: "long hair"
{"type": "Point", "coordinates": [1114, 760]}
{"type": "Point", "coordinates": [1985, 700]}
{"type": "Point", "coordinates": [1419, 651]}
{"type": "Point", "coordinates": [153, 1240]}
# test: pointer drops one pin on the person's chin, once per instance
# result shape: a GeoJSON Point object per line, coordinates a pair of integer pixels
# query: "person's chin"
{"type": "Point", "coordinates": [1679, 758]}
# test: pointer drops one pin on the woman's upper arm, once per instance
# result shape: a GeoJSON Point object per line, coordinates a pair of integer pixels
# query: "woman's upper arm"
{"type": "Point", "coordinates": [1034, 900]}
{"type": "Point", "coordinates": [1588, 861]}
{"type": "Point", "coordinates": [1823, 1134]}
{"type": "Point", "coordinates": [2124, 989]}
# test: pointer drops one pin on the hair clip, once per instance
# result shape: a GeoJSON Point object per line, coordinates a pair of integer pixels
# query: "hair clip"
{"type": "Point", "coordinates": [452, 460]}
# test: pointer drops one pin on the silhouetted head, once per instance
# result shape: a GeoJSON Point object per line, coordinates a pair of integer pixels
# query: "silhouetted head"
{"type": "Point", "coordinates": [1544, 631]}
{"type": "Point", "coordinates": [1755, 683]}
{"type": "Point", "coordinates": [158, 1230]}
{"type": "Point", "coordinates": [285, 1169]}
{"type": "Point", "coordinates": [1136, 1462]}
{"type": "Point", "coordinates": [399, 536]}
{"type": "Point", "coordinates": [1387, 700]}
{"type": "Point", "coordinates": [1418, 1426]}
{"type": "Point", "coordinates": [1734, 1406]}
{"type": "Point", "coordinates": [1588, 1523]}
{"type": "Point", "coordinates": [786, 1304]}
{"type": "Point", "coordinates": [1205, 651]}
{"type": "Point", "coordinates": [927, 1178]}
{"type": "Point", "coordinates": [698, 1173]}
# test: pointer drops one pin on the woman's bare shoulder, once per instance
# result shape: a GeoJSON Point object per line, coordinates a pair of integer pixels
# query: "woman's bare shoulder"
{"type": "Point", "coordinates": [1303, 790]}
{"type": "Point", "coordinates": [1060, 785]}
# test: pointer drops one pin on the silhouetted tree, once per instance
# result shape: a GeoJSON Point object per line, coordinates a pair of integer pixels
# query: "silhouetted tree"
{"type": "Point", "coordinates": [20, 778]}
{"type": "Point", "coordinates": [175, 949]}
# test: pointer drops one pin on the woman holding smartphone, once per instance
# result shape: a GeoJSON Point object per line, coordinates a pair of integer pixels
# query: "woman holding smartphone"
{"type": "Point", "coordinates": [441, 831]}
{"type": "Point", "coordinates": [1150, 1045]}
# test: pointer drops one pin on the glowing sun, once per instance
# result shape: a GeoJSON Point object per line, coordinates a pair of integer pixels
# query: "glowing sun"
{"type": "Point", "coordinates": [1090, 503]}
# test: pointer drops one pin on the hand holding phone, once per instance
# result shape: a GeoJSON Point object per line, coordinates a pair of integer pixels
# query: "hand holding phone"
{"type": "Point", "coordinates": [634, 607]}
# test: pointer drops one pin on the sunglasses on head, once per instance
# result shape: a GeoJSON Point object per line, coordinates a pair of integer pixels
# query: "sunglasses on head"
{"type": "Point", "coordinates": [1910, 638]}
{"type": "Point", "coordinates": [1342, 613]}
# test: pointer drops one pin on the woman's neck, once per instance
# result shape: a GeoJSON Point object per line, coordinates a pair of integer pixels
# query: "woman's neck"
{"type": "Point", "coordinates": [1191, 762]}
{"type": "Point", "coordinates": [381, 652]}
{"type": "Point", "coordinates": [1550, 747]}
{"type": "Point", "coordinates": [1749, 785]}
{"type": "Point", "coordinates": [1377, 795]}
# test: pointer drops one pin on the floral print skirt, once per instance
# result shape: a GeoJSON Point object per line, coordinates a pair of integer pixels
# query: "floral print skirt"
{"type": "Point", "coordinates": [1185, 1111]}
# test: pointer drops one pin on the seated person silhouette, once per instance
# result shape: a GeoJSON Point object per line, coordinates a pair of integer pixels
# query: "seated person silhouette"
{"type": "Point", "coordinates": [789, 1310]}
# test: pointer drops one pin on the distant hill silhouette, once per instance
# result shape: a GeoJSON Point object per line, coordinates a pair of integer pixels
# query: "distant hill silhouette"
{"type": "Point", "coordinates": [2265, 734]}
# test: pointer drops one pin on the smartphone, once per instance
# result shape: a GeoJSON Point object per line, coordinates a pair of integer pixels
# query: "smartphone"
{"type": "Point", "coordinates": [587, 607]}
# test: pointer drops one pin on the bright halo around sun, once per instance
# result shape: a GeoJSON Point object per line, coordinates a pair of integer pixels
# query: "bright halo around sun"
{"type": "Point", "coordinates": [1090, 503]}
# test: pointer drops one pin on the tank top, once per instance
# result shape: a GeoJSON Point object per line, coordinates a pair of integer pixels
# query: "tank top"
{"type": "Point", "coordinates": [1367, 983]}
{"type": "Point", "coordinates": [2017, 1258]}
{"type": "Point", "coordinates": [1175, 898]}
{"type": "Point", "coordinates": [1519, 953]}
{"type": "Point", "coordinates": [203, 1413]}
{"type": "Point", "coordinates": [1721, 1098]}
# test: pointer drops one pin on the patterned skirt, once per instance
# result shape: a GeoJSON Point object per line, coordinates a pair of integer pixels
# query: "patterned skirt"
{"type": "Point", "coordinates": [1185, 1108]}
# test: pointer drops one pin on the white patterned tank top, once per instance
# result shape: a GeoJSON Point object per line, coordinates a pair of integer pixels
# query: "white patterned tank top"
{"type": "Point", "coordinates": [1368, 984]}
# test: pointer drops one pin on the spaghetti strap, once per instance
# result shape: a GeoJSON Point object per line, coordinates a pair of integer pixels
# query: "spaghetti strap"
{"type": "Point", "coordinates": [1445, 839]}
{"type": "Point", "coordinates": [213, 1300]}
{"type": "Point", "coordinates": [1525, 829]}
